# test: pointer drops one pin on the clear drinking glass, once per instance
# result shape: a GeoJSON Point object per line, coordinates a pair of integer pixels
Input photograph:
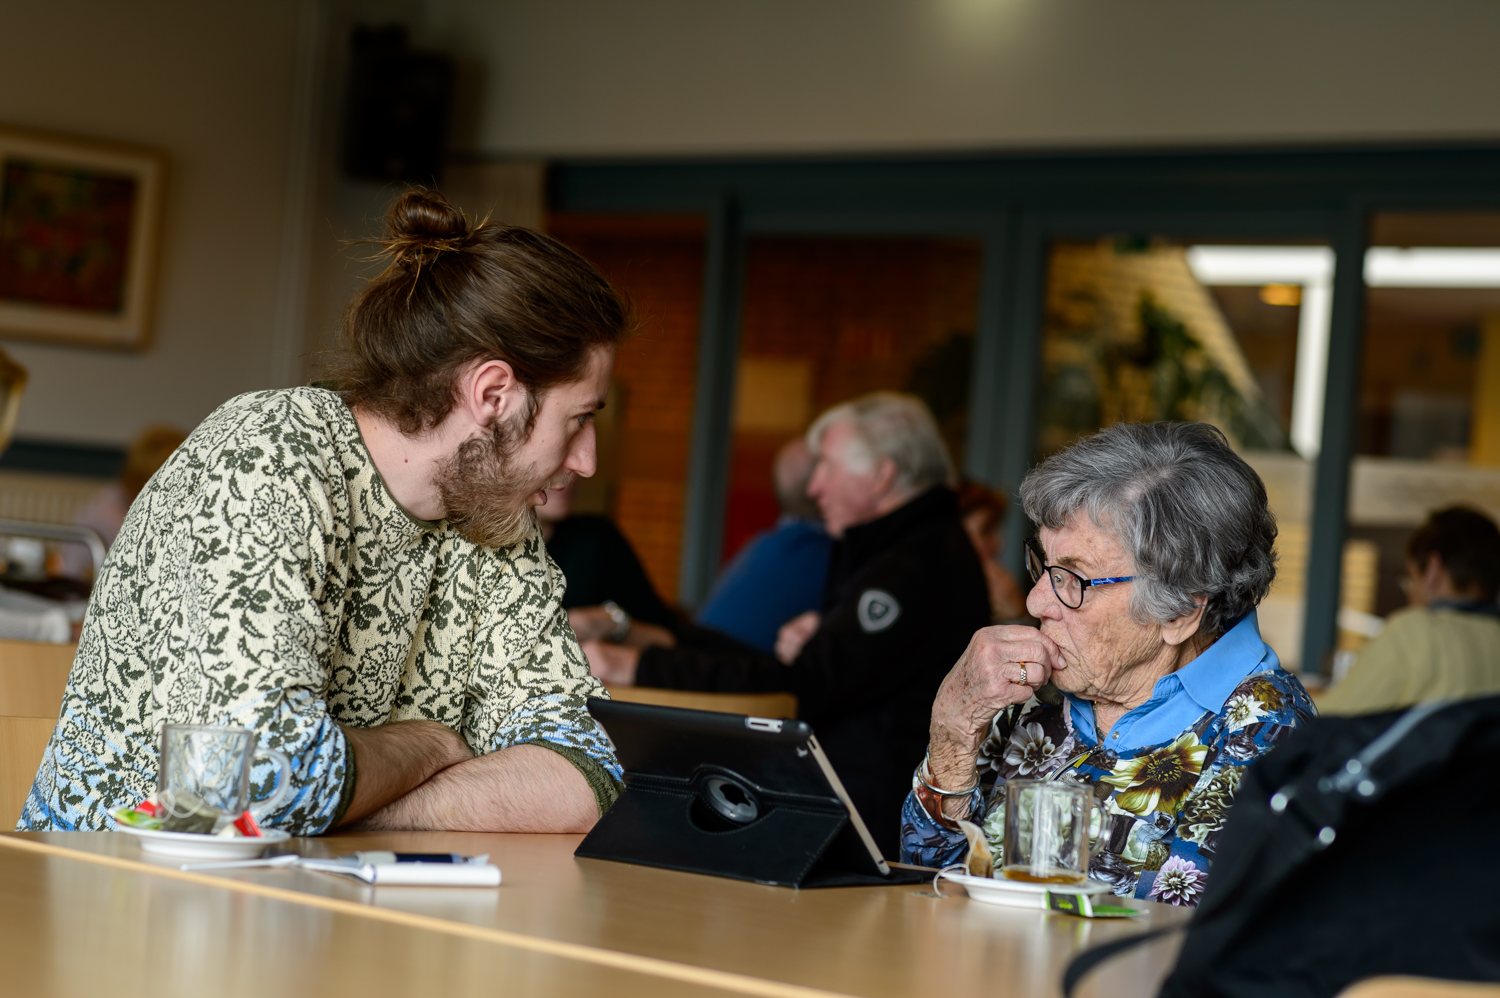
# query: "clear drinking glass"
{"type": "Point", "coordinates": [205, 775]}
{"type": "Point", "coordinates": [1047, 831]}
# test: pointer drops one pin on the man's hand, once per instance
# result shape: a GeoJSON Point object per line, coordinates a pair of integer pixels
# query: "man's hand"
{"type": "Point", "coordinates": [795, 633]}
{"type": "Point", "coordinates": [525, 788]}
{"type": "Point", "coordinates": [987, 679]}
{"type": "Point", "coordinates": [591, 623]}
{"type": "Point", "coordinates": [612, 665]}
{"type": "Point", "coordinates": [393, 759]}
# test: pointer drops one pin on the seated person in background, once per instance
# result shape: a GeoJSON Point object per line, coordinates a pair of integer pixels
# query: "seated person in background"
{"type": "Point", "coordinates": [609, 596]}
{"type": "Point", "coordinates": [1446, 644]}
{"type": "Point", "coordinates": [905, 593]}
{"type": "Point", "coordinates": [780, 573]}
{"type": "Point", "coordinates": [357, 576]}
{"type": "Point", "coordinates": [983, 511]}
{"type": "Point", "coordinates": [1155, 548]}
{"type": "Point", "coordinates": [105, 513]}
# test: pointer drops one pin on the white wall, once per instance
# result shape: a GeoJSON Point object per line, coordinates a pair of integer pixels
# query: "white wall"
{"type": "Point", "coordinates": [211, 84]}
{"type": "Point", "coordinates": [216, 85]}
{"type": "Point", "coordinates": [767, 76]}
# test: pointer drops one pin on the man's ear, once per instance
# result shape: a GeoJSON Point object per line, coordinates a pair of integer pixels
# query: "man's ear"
{"type": "Point", "coordinates": [883, 479]}
{"type": "Point", "coordinates": [1436, 578]}
{"type": "Point", "coordinates": [492, 391]}
{"type": "Point", "coordinates": [1181, 630]}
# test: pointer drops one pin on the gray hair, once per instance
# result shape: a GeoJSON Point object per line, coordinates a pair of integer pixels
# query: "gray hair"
{"type": "Point", "coordinates": [893, 425]}
{"type": "Point", "coordinates": [1189, 510]}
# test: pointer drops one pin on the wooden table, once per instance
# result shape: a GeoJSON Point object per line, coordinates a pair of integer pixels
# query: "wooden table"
{"type": "Point", "coordinates": [81, 912]}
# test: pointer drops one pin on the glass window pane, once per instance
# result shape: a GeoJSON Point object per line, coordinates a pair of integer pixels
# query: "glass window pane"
{"type": "Point", "coordinates": [1230, 333]}
{"type": "Point", "coordinates": [1428, 432]}
{"type": "Point", "coordinates": [827, 319]}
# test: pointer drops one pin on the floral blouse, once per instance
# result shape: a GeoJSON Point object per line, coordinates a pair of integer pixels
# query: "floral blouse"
{"type": "Point", "coordinates": [1164, 804]}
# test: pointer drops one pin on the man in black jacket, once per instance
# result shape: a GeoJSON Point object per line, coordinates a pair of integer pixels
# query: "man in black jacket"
{"type": "Point", "coordinates": [905, 593]}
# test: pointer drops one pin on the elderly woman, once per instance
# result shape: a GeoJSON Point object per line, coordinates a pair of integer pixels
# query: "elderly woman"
{"type": "Point", "coordinates": [1148, 677]}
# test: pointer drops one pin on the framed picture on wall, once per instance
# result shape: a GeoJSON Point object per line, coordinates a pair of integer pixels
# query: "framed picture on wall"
{"type": "Point", "coordinates": [80, 221]}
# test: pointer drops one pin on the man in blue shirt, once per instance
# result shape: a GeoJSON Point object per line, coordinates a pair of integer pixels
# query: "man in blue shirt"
{"type": "Point", "coordinates": [780, 573]}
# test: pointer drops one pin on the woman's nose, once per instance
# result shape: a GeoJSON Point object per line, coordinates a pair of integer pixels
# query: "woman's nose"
{"type": "Point", "coordinates": [1041, 601]}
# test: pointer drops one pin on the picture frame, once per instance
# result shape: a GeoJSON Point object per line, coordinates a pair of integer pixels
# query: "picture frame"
{"type": "Point", "coordinates": [80, 231]}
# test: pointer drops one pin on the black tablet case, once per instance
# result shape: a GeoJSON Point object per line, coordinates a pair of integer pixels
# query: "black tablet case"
{"type": "Point", "coordinates": [730, 796]}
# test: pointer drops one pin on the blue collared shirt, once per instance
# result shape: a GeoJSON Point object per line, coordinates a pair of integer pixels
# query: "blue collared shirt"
{"type": "Point", "coordinates": [1180, 698]}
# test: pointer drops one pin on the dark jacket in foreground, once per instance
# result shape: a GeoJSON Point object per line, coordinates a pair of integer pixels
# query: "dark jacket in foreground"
{"type": "Point", "coordinates": [905, 593]}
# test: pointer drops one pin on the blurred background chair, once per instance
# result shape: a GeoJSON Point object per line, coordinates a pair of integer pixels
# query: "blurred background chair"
{"type": "Point", "coordinates": [32, 678]}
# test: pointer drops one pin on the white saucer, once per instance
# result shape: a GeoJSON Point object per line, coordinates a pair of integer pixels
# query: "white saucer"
{"type": "Point", "coordinates": [188, 845]}
{"type": "Point", "coordinates": [1019, 893]}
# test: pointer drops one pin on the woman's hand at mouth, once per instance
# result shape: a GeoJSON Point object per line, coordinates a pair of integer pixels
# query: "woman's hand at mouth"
{"type": "Point", "coordinates": [1002, 666]}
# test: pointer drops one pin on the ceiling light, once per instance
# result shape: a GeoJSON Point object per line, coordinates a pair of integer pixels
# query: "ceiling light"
{"type": "Point", "coordinates": [1281, 294]}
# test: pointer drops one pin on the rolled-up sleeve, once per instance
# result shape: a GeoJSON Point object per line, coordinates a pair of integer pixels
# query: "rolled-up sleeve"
{"type": "Point", "coordinates": [541, 698]}
{"type": "Point", "coordinates": [925, 841]}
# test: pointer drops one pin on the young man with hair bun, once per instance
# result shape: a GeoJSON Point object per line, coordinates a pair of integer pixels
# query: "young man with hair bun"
{"type": "Point", "coordinates": [356, 574]}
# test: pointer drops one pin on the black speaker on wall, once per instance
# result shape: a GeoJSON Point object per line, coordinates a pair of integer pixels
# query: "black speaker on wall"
{"type": "Point", "coordinates": [396, 116]}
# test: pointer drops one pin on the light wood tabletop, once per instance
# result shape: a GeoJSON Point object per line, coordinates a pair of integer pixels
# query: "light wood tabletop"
{"type": "Point", "coordinates": [562, 924]}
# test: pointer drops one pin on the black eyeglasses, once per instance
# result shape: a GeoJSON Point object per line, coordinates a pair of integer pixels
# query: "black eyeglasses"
{"type": "Point", "coordinates": [1067, 586]}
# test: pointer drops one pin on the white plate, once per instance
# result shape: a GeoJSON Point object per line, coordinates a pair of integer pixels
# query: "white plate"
{"type": "Point", "coordinates": [187, 845]}
{"type": "Point", "coordinates": [1019, 893]}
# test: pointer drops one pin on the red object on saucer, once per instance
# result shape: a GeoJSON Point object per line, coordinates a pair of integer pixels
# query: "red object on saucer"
{"type": "Point", "coordinates": [247, 826]}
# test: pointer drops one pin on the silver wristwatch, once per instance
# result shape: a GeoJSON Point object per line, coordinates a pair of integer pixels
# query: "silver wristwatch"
{"type": "Point", "coordinates": [621, 619]}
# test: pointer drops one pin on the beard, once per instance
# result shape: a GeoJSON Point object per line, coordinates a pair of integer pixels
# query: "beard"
{"type": "Point", "coordinates": [485, 495]}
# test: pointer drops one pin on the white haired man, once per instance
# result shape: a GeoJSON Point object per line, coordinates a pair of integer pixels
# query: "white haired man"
{"type": "Point", "coordinates": [905, 593]}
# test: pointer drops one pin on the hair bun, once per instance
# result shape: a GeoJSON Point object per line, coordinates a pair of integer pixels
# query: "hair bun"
{"type": "Point", "coordinates": [421, 224]}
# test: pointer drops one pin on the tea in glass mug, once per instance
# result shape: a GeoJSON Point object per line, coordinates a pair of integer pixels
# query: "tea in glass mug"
{"type": "Point", "coordinates": [1047, 831]}
{"type": "Point", "coordinates": [204, 777]}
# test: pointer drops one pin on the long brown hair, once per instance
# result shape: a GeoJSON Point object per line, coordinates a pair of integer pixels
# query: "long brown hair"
{"type": "Point", "coordinates": [456, 292]}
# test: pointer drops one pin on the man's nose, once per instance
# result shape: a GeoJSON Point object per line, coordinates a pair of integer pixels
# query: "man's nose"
{"type": "Point", "coordinates": [583, 458]}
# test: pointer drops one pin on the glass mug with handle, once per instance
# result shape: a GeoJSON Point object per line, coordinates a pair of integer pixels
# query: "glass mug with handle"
{"type": "Point", "coordinates": [204, 779]}
{"type": "Point", "coordinates": [1047, 831]}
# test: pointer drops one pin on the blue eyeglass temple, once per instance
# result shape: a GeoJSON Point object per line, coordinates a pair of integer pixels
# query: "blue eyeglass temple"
{"type": "Point", "coordinates": [1035, 551]}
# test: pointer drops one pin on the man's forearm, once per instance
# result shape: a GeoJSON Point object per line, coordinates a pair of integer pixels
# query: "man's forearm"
{"type": "Point", "coordinates": [393, 759]}
{"type": "Point", "coordinates": [526, 788]}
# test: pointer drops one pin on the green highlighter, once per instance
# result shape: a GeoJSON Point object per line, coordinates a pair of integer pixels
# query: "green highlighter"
{"type": "Point", "coordinates": [1084, 906]}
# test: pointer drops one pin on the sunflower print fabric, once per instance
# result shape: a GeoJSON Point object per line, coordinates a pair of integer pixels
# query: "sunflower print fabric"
{"type": "Point", "coordinates": [265, 578]}
{"type": "Point", "coordinates": [1164, 805]}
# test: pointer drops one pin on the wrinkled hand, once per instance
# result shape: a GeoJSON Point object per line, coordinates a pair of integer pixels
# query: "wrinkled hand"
{"type": "Point", "coordinates": [795, 633]}
{"type": "Point", "coordinates": [987, 679]}
{"type": "Point", "coordinates": [590, 623]}
{"type": "Point", "coordinates": [611, 664]}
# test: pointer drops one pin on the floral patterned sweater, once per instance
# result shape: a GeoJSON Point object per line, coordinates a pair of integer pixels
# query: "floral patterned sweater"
{"type": "Point", "coordinates": [1164, 801]}
{"type": "Point", "coordinates": [265, 578]}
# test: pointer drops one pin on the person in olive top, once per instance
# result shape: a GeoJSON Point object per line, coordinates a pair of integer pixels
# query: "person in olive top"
{"type": "Point", "coordinates": [1446, 644]}
{"type": "Point", "coordinates": [905, 593]}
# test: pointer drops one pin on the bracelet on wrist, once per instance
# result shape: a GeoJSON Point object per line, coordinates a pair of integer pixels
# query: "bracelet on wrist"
{"type": "Point", "coordinates": [620, 617]}
{"type": "Point", "coordinates": [924, 776]}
